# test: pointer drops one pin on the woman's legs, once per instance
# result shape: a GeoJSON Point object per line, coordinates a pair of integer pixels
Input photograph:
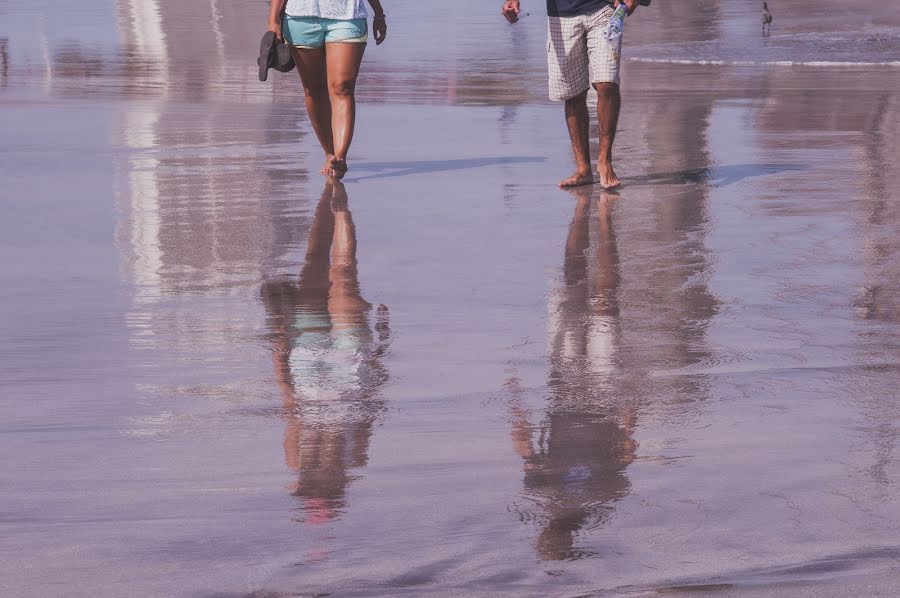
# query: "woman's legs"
{"type": "Point", "coordinates": [329, 84]}
{"type": "Point", "coordinates": [342, 60]}
{"type": "Point", "coordinates": [313, 75]}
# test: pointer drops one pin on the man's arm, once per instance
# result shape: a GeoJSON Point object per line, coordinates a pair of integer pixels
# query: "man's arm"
{"type": "Point", "coordinates": [510, 10]}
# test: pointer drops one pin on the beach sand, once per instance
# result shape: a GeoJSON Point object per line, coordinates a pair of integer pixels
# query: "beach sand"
{"type": "Point", "coordinates": [222, 376]}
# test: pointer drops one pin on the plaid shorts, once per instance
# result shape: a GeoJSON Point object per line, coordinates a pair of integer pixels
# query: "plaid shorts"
{"type": "Point", "coordinates": [579, 53]}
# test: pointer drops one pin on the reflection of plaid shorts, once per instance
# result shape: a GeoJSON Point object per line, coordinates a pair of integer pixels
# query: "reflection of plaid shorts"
{"type": "Point", "coordinates": [579, 53]}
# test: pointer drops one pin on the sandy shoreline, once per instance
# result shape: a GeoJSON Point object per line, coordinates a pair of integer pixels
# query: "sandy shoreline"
{"type": "Point", "coordinates": [685, 387]}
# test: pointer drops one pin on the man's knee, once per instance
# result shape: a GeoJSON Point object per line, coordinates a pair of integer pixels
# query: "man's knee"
{"type": "Point", "coordinates": [607, 90]}
{"type": "Point", "coordinates": [576, 101]}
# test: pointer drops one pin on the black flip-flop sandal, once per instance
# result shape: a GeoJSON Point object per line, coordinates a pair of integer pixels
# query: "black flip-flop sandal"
{"type": "Point", "coordinates": [266, 46]}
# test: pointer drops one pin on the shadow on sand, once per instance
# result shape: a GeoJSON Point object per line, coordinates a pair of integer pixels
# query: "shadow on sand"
{"type": "Point", "coordinates": [382, 170]}
{"type": "Point", "coordinates": [718, 176]}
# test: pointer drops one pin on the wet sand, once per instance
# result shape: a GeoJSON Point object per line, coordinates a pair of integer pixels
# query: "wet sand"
{"type": "Point", "coordinates": [224, 377]}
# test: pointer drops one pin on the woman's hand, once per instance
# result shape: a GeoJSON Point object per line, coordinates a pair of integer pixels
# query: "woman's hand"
{"type": "Point", "coordinates": [379, 27]}
{"type": "Point", "coordinates": [275, 27]}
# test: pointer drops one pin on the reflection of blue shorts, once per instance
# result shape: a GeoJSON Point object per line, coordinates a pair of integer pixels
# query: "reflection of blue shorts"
{"type": "Point", "coordinates": [315, 32]}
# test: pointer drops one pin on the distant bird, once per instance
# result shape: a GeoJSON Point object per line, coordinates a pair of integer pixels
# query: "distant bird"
{"type": "Point", "coordinates": [766, 19]}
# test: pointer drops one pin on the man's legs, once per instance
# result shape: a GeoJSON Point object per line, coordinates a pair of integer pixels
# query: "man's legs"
{"type": "Point", "coordinates": [567, 64]}
{"type": "Point", "coordinates": [579, 123]}
{"type": "Point", "coordinates": [605, 61]}
{"type": "Point", "coordinates": [608, 102]}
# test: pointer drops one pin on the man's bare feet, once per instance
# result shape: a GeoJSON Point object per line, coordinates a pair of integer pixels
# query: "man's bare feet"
{"type": "Point", "coordinates": [608, 178]}
{"type": "Point", "coordinates": [579, 178]}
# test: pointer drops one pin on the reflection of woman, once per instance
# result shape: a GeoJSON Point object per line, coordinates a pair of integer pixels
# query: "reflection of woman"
{"type": "Point", "coordinates": [328, 38]}
{"type": "Point", "coordinates": [575, 459]}
{"type": "Point", "coordinates": [327, 357]}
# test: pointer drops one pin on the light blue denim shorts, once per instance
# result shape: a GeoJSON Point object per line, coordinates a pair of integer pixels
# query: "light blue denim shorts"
{"type": "Point", "coordinates": [315, 32]}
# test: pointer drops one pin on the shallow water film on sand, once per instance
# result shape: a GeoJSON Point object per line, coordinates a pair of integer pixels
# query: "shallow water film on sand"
{"type": "Point", "coordinates": [223, 375]}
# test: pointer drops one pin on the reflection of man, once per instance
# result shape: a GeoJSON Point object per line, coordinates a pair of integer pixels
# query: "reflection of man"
{"type": "Point", "coordinates": [575, 459]}
{"type": "Point", "coordinates": [327, 359]}
{"type": "Point", "coordinates": [584, 311]}
{"type": "Point", "coordinates": [580, 55]}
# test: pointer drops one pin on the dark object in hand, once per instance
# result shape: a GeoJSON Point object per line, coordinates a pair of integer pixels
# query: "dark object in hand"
{"type": "Point", "coordinates": [273, 55]}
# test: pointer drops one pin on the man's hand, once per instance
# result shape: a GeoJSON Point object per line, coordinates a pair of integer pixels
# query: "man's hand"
{"type": "Point", "coordinates": [510, 10]}
{"type": "Point", "coordinates": [631, 4]}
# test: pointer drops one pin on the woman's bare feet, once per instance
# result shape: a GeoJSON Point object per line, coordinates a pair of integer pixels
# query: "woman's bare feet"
{"type": "Point", "coordinates": [608, 178]}
{"type": "Point", "coordinates": [579, 178]}
{"type": "Point", "coordinates": [338, 168]}
{"type": "Point", "coordinates": [326, 169]}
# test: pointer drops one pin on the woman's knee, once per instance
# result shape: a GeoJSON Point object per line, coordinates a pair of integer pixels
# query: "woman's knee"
{"type": "Point", "coordinates": [342, 88]}
{"type": "Point", "coordinates": [314, 83]}
{"type": "Point", "coordinates": [316, 91]}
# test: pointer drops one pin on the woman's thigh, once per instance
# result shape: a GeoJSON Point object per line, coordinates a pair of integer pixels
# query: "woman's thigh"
{"type": "Point", "coordinates": [343, 60]}
{"type": "Point", "coordinates": [312, 68]}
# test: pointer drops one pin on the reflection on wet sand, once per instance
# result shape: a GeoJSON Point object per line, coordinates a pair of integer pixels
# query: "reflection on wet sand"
{"type": "Point", "coordinates": [675, 300]}
{"type": "Point", "coordinates": [205, 215]}
{"type": "Point", "coordinates": [327, 354]}
{"type": "Point", "coordinates": [608, 327]}
{"type": "Point", "coordinates": [145, 59]}
{"type": "Point", "coordinates": [4, 61]}
{"type": "Point", "coordinates": [864, 132]}
{"type": "Point", "coordinates": [575, 457]}
{"type": "Point", "coordinates": [757, 230]}
{"type": "Point", "coordinates": [672, 303]}
{"type": "Point", "coordinates": [203, 190]}
{"type": "Point", "coordinates": [876, 300]}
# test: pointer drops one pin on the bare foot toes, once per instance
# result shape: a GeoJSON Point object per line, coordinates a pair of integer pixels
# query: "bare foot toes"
{"type": "Point", "coordinates": [338, 168]}
{"type": "Point", "coordinates": [326, 169]}
{"type": "Point", "coordinates": [579, 178]}
{"type": "Point", "coordinates": [608, 178]}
